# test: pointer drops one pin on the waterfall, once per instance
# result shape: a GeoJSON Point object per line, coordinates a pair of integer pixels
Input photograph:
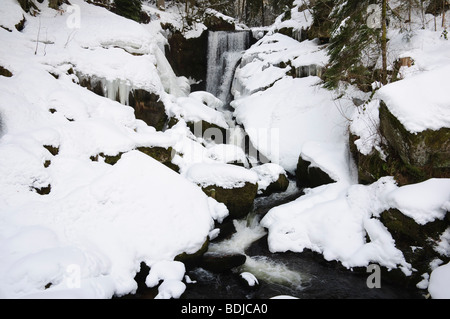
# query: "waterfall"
{"type": "Point", "coordinates": [225, 49]}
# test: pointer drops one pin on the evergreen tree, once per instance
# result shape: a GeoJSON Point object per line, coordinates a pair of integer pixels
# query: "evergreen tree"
{"type": "Point", "coordinates": [130, 9]}
{"type": "Point", "coordinates": [355, 46]}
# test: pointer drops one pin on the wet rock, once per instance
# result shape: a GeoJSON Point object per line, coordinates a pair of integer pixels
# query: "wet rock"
{"type": "Point", "coordinates": [208, 131]}
{"type": "Point", "coordinates": [311, 176]}
{"type": "Point", "coordinates": [417, 242]}
{"type": "Point", "coordinates": [280, 185]}
{"type": "Point", "coordinates": [194, 259]}
{"type": "Point", "coordinates": [188, 57]}
{"type": "Point", "coordinates": [239, 200]}
{"type": "Point", "coordinates": [216, 262]}
{"type": "Point", "coordinates": [148, 107]}
{"type": "Point", "coordinates": [217, 23]}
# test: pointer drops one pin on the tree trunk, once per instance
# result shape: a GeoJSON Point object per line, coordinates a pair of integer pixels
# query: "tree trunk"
{"type": "Point", "coordinates": [384, 42]}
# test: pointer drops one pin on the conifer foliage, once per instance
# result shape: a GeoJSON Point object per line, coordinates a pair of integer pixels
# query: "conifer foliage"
{"type": "Point", "coordinates": [354, 47]}
{"type": "Point", "coordinates": [130, 9]}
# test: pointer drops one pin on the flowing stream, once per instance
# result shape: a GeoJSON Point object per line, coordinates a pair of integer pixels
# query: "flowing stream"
{"type": "Point", "coordinates": [304, 275]}
{"type": "Point", "coordinates": [307, 275]}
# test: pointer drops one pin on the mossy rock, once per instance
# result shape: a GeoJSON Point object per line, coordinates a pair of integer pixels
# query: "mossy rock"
{"type": "Point", "coordinates": [208, 130]}
{"type": "Point", "coordinates": [308, 176]}
{"type": "Point", "coordinates": [416, 241]}
{"type": "Point", "coordinates": [160, 154]}
{"type": "Point", "coordinates": [149, 108]}
{"type": "Point", "coordinates": [109, 159]}
{"type": "Point", "coordinates": [424, 149]}
{"type": "Point", "coordinates": [192, 260]}
{"type": "Point", "coordinates": [280, 185]}
{"type": "Point", "coordinates": [239, 200]}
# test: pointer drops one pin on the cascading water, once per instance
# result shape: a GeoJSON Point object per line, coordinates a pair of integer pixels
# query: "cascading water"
{"type": "Point", "coordinates": [225, 49]}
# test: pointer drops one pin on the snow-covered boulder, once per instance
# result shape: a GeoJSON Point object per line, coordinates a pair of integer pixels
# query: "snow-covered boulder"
{"type": "Point", "coordinates": [232, 185]}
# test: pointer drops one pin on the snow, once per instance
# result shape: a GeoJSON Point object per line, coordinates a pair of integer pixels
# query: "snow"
{"type": "Point", "coordinates": [249, 278]}
{"type": "Point", "coordinates": [223, 175]}
{"type": "Point", "coordinates": [415, 110]}
{"type": "Point", "coordinates": [172, 274]}
{"type": "Point", "coordinates": [424, 202]}
{"type": "Point", "coordinates": [282, 118]}
{"type": "Point", "coordinates": [365, 124]}
{"type": "Point", "coordinates": [439, 282]}
{"type": "Point", "coordinates": [193, 110]}
{"type": "Point", "coordinates": [267, 174]}
{"type": "Point", "coordinates": [88, 236]}
{"type": "Point", "coordinates": [10, 14]}
{"type": "Point", "coordinates": [317, 220]}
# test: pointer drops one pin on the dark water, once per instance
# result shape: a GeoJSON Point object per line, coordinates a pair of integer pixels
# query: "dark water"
{"type": "Point", "coordinates": [304, 275]}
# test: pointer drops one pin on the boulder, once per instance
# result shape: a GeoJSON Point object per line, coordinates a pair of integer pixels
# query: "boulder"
{"type": "Point", "coordinates": [234, 186]}
{"type": "Point", "coordinates": [425, 154]}
{"type": "Point", "coordinates": [417, 242]}
{"type": "Point", "coordinates": [217, 262]}
{"type": "Point", "coordinates": [148, 107]}
{"type": "Point", "coordinates": [239, 200]}
{"type": "Point", "coordinates": [194, 259]}
{"type": "Point", "coordinates": [310, 176]}
{"type": "Point", "coordinates": [280, 185]}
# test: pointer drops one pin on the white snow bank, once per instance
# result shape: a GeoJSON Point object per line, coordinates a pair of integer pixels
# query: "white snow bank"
{"type": "Point", "coordinates": [10, 14]}
{"type": "Point", "coordinates": [365, 123]}
{"type": "Point", "coordinates": [106, 228]}
{"type": "Point", "coordinates": [193, 110]}
{"type": "Point", "coordinates": [88, 236]}
{"type": "Point", "coordinates": [223, 175]}
{"type": "Point", "coordinates": [332, 158]}
{"type": "Point", "coordinates": [282, 118]}
{"type": "Point", "coordinates": [416, 110]}
{"type": "Point", "coordinates": [334, 220]}
{"type": "Point", "coordinates": [207, 99]}
{"type": "Point", "coordinates": [172, 274]}
{"type": "Point", "coordinates": [227, 153]}
{"type": "Point", "coordinates": [261, 64]}
{"type": "Point", "coordinates": [424, 202]}
{"type": "Point", "coordinates": [439, 282]}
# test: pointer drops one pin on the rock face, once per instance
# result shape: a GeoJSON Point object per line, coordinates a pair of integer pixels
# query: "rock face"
{"type": "Point", "coordinates": [148, 107]}
{"type": "Point", "coordinates": [310, 176]}
{"type": "Point", "coordinates": [188, 57]}
{"type": "Point", "coordinates": [426, 154]}
{"type": "Point", "coordinates": [239, 201]}
{"type": "Point", "coordinates": [410, 158]}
